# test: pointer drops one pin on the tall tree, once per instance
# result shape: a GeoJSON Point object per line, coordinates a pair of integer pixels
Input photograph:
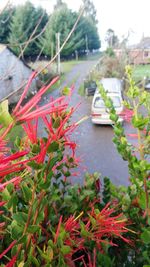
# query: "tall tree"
{"type": "Point", "coordinates": [59, 4]}
{"type": "Point", "coordinates": [90, 10]}
{"type": "Point", "coordinates": [23, 24]}
{"type": "Point", "coordinates": [111, 39]}
{"type": "Point", "coordinates": [5, 21]}
{"type": "Point", "coordinates": [62, 20]}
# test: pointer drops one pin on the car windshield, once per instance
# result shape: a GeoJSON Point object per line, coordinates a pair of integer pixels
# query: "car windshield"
{"type": "Point", "coordinates": [99, 103]}
{"type": "Point", "coordinates": [112, 85]}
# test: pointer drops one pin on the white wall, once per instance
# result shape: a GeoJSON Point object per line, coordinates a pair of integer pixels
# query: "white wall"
{"type": "Point", "coordinates": [11, 66]}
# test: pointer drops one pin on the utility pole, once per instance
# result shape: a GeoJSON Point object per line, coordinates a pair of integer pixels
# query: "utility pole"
{"type": "Point", "coordinates": [57, 49]}
{"type": "Point", "coordinates": [86, 44]}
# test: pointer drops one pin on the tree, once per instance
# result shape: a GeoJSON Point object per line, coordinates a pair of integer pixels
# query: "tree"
{"type": "Point", "coordinates": [23, 24]}
{"type": "Point", "coordinates": [111, 39]}
{"type": "Point", "coordinates": [90, 10]}
{"type": "Point", "coordinates": [62, 20]}
{"type": "Point", "coordinates": [59, 4]}
{"type": "Point", "coordinates": [5, 20]}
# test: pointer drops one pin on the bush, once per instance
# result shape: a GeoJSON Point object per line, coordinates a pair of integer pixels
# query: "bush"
{"type": "Point", "coordinates": [47, 221]}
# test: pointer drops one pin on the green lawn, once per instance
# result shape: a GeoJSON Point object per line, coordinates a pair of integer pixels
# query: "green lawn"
{"type": "Point", "coordinates": [141, 71]}
{"type": "Point", "coordinates": [66, 66]}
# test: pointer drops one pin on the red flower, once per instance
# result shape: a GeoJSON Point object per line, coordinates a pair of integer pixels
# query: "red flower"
{"type": "Point", "coordinates": [106, 226]}
{"type": "Point", "coordinates": [7, 249]}
{"type": "Point", "coordinates": [26, 112]}
{"type": "Point", "coordinates": [74, 239]}
{"type": "Point", "coordinates": [12, 261]}
{"type": "Point", "coordinates": [127, 114]}
{"type": "Point", "coordinates": [58, 230]}
{"type": "Point", "coordinates": [132, 135]}
{"type": "Point", "coordinates": [14, 181]}
{"type": "Point", "coordinates": [31, 130]}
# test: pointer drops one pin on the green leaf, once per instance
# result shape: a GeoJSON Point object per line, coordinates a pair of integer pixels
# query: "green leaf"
{"type": "Point", "coordinates": [27, 193]}
{"type": "Point", "coordinates": [32, 259]}
{"type": "Point", "coordinates": [114, 117]}
{"type": "Point", "coordinates": [20, 218]}
{"type": "Point", "coordinates": [139, 122]}
{"type": "Point", "coordinates": [16, 230]}
{"type": "Point", "coordinates": [118, 131]}
{"type": "Point", "coordinates": [5, 117]}
{"type": "Point", "coordinates": [56, 123]}
{"type": "Point", "coordinates": [35, 165]}
{"type": "Point", "coordinates": [145, 236]}
{"type": "Point", "coordinates": [40, 217]}
{"type": "Point", "coordinates": [66, 91]}
{"type": "Point", "coordinates": [65, 250]}
{"type": "Point", "coordinates": [142, 201]}
{"type": "Point", "coordinates": [33, 229]}
{"type": "Point", "coordinates": [18, 141]}
{"type": "Point", "coordinates": [6, 195]}
{"type": "Point", "coordinates": [35, 149]}
{"type": "Point", "coordinates": [54, 146]}
{"type": "Point", "coordinates": [43, 255]}
{"type": "Point", "coordinates": [12, 202]}
{"type": "Point", "coordinates": [10, 188]}
{"type": "Point", "coordinates": [84, 232]}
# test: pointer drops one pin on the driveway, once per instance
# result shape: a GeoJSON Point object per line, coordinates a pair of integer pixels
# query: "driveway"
{"type": "Point", "coordinates": [95, 146]}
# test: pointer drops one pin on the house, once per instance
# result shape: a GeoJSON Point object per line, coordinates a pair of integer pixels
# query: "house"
{"type": "Point", "coordinates": [137, 54]}
{"type": "Point", "coordinates": [13, 74]}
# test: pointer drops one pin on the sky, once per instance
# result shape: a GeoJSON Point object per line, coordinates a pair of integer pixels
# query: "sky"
{"type": "Point", "coordinates": [122, 16]}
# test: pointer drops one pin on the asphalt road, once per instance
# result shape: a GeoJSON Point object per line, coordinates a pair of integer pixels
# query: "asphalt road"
{"type": "Point", "coordinates": [95, 146]}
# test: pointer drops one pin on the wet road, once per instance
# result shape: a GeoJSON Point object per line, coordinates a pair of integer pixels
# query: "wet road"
{"type": "Point", "coordinates": [95, 146]}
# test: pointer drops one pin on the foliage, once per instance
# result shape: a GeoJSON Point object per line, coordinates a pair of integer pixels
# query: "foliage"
{"type": "Point", "coordinates": [5, 21]}
{"type": "Point", "coordinates": [134, 200]}
{"type": "Point", "coordinates": [21, 22]}
{"type": "Point", "coordinates": [111, 39]}
{"type": "Point", "coordinates": [62, 21]}
{"type": "Point", "coordinates": [110, 52]}
{"type": "Point", "coordinates": [111, 66]}
{"type": "Point", "coordinates": [90, 10]}
{"type": "Point", "coordinates": [24, 21]}
{"type": "Point", "coordinates": [45, 220]}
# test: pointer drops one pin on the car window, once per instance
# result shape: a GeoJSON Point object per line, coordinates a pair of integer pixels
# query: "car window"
{"type": "Point", "coordinates": [99, 103]}
{"type": "Point", "coordinates": [112, 85]}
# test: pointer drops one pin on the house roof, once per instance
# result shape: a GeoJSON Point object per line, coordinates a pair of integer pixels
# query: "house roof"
{"type": "Point", "coordinates": [3, 47]}
{"type": "Point", "coordinates": [143, 44]}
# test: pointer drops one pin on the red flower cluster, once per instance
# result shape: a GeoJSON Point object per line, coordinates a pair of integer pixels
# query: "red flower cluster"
{"type": "Point", "coordinates": [127, 114]}
{"type": "Point", "coordinates": [55, 116]}
{"type": "Point", "coordinates": [99, 226]}
{"type": "Point", "coordinates": [102, 225]}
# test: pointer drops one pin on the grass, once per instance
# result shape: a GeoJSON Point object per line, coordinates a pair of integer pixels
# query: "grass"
{"type": "Point", "coordinates": [67, 66]}
{"type": "Point", "coordinates": [81, 90]}
{"type": "Point", "coordinates": [141, 71]}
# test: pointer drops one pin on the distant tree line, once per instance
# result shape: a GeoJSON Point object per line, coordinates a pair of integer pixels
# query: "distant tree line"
{"type": "Point", "coordinates": [29, 31]}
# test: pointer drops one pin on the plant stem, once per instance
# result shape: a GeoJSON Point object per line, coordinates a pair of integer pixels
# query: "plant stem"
{"type": "Point", "coordinates": [29, 216]}
{"type": "Point", "coordinates": [141, 157]}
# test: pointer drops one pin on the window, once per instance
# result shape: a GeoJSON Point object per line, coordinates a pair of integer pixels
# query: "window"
{"type": "Point", "coordinates": [99, 103]}
{"type": "Point", "coordinates": [146, 53]}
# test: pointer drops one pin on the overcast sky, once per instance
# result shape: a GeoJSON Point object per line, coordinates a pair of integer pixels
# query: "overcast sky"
{"type": "Point", "coordinates": [120, 15]}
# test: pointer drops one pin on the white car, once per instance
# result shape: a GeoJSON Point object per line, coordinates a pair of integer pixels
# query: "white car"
{"type": "Point", "coordinates": [99, 112]}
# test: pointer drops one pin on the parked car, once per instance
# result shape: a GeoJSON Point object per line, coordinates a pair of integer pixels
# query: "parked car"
{"type": "Point", "coordinates": [112, 85]}
{"type": "Point", "coordinates": [99, 112]}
